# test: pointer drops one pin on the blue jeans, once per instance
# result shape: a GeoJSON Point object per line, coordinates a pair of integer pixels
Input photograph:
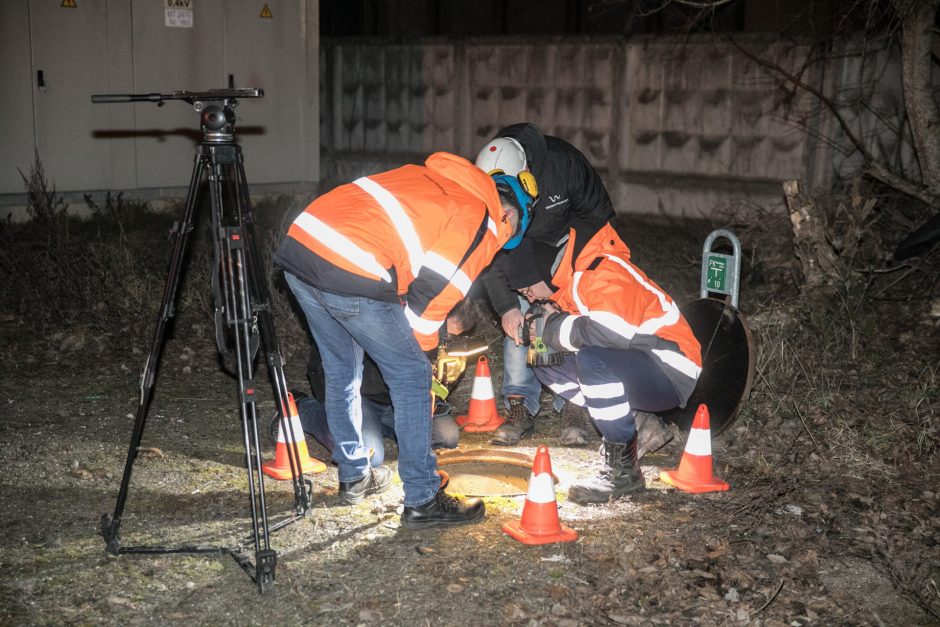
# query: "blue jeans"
{"type": "Point", "coordinates": [343, 327]}
{"type": "Point", "coordinates": [378, 422]}
{"type": "Point", "coordinates": [613, 384]}
{"type": "Point", "coordinates": [518, 378]}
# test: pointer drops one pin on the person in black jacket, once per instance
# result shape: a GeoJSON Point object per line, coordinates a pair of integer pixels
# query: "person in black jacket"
{"type": "Point", "coordinates": [378, 416]}
{"type": "Point", "coordinates": [567, 188]}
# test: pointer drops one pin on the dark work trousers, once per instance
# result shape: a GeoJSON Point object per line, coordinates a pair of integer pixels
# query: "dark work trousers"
{"type": "Point", "coordinates": [613, 384]}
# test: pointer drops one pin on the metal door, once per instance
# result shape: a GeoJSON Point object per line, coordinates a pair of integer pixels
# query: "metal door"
{"type": "Point", "coordinates": [69, 48]}
{"type": "Point", "coordinates": [16, 97]}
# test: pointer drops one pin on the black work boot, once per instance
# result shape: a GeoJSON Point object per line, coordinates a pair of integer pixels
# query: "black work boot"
{"type": "Point", "coordinates": [621, 475]}
{"type": "Point", "coordinates": [575, 422]}
{"type": "Point", "coordinates": [652, 433]}
{"type": "Point", "coordinates": [444, 509]}
{"type": "Point", "coordinates": [376, 480]}
{"type": "Point", "coordinates": [519, 423]}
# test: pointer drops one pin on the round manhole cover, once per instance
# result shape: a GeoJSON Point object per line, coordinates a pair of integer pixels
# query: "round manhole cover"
{"type": "Point", "coordinates": [486, 472]}
{"type": "Point", "coordinates": [728, 362]}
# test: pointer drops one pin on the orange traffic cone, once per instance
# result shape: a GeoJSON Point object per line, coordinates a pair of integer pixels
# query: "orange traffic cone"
{"type": "Point", "coordinates": [280, 468]}
{"type": "Point", "coordinates": [695, 468]}
{"type": "Point", "coordinates": [539, 523]}
{"type": "Point", "coordinates": [482, 414]}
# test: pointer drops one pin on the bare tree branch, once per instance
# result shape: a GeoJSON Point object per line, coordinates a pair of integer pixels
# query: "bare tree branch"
{"type": "Point", "coordinates": [927, 191]}
{"type": "Point", "coordinates": [796, 81]}
{"type": "Point", "coordinates": [917, 20]}
{"type": "Point", "coordinates": [702, 4]}
{"type": "Point", "coordinates": [879, 172]}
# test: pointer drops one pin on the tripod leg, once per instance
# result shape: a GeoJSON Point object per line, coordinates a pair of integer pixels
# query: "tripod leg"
{"type": "Point", "coordinates": [239, 318]}
{"type": "Point", "coordinates": [261, 300]}
{"type": "Point", "coordinates": [110, 527]}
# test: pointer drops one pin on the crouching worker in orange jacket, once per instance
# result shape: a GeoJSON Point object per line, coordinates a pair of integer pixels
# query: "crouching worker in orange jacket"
{"type": "Point", "coordinates": [376, 265]}
{"type": "Point", "coordinates": [611, 340]}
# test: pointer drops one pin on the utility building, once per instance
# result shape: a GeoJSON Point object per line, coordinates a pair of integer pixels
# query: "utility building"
{"type": "Point", "coordinates": [57, 53]}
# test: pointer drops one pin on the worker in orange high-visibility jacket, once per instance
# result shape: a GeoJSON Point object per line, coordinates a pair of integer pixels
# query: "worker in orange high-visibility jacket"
{"type": "Point", "coordinates": [376, 265]}
{"type": "Point", "coordinates": [616, 343]}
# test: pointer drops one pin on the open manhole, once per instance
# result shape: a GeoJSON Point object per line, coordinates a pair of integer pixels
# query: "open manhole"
{"type": "Point", "coordinates": [484, 472]}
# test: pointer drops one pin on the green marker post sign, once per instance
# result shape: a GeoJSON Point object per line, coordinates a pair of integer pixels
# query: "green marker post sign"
{"type": "Point", "coordinates": [721, 272]}
{"type": "Point", "coordinates": [716, 275]}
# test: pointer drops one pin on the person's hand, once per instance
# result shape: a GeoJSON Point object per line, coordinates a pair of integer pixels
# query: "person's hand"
{"type": "Point", "coordinates": [550, 307]}
{"type": "Point", "coordinates": [512, 322]}
{"type": "Point", "coordinates": [539, 315]}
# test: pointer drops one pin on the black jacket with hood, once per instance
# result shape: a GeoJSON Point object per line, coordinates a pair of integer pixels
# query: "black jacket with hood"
{"type": "Point", "coordinates": [569, 190]}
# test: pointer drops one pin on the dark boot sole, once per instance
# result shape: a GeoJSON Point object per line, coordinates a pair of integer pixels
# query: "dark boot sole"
{"type": "Point", "coordinates": [352, 500]}
{"type": "Point", "coordinates": [418, 524]}
{"type": "Point", "coordinates": [506, 442]}
{"type": "Point", "coordinates": [612, 497]}
{"type": "Point", "coordinates": [655, 443]}
{"type": "Point", "coordinates": [356, 499]}
{"type": "Point", "coordinates": [574, 438]}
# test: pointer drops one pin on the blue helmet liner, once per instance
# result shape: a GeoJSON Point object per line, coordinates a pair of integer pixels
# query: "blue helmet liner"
{"type": "Point", "coordinates": [523, 201]}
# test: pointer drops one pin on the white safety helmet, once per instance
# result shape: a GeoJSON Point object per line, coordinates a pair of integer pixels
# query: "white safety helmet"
{"type": "Point", "coordinates": [503, 155]}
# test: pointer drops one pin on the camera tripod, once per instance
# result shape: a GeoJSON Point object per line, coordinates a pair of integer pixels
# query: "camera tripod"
{"type": "Point", "coordinates": [242, 314]}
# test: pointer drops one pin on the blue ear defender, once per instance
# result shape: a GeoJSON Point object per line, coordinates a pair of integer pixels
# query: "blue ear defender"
{"type": "Point", "coordinates": [523, 202]}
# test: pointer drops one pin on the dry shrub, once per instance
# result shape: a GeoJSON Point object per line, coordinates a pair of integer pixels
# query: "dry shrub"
{"type": "Point", "coordinates": [852, 371]}
{"type": "Point", "coordinates": [58, 268]}
{"type": "Point", "coordinates": [43, 204]}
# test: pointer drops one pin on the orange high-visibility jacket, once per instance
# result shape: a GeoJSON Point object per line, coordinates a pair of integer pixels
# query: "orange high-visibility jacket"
{"type": "Point", "coordinates": [418, 234]}
{"type": "Point", "coordinates": [611, 303]}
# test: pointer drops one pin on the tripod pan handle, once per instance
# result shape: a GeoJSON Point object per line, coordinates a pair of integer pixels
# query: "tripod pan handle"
{"type": "Point", "coordinates": [108, 98]}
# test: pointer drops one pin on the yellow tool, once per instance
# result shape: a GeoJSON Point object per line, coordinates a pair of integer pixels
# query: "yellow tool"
{"type": "Point", "coordinates": [450, 365]}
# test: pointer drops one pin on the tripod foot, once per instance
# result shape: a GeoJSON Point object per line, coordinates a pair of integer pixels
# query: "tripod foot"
{"type": "Point", "coordinates": [109, 530]}
{"type": "Point", "coordinates": [265, 561]}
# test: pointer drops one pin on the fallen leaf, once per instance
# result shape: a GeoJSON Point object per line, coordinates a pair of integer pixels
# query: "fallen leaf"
{"type": "Point", "coordinates": [514, 612]}
{"type": "Point", "coordinates": [151, 453]}
{"type": "Point", "coordinates": [718, 552]}
{"type": "Point", "coordinates": [622, 619]}
{"type": "Point", "coordinates": [709, 594]}
{"type": "Point", "coordinates": [454, 587]}
{"type": "Point", "coordinates": [81, 473]}
{"type": "Point", "coordinates": [370, 616]}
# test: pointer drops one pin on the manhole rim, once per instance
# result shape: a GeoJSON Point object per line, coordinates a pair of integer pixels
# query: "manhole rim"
{"type": "Point", "coordinates": [491, 456]}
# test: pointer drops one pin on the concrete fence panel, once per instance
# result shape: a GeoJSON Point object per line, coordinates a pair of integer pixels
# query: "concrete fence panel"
{"type": "Point", "coordinates": [678, 126]}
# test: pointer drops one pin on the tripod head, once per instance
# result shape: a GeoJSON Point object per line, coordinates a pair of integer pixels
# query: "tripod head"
{"type": "Point", "coordinates": [215, 106]}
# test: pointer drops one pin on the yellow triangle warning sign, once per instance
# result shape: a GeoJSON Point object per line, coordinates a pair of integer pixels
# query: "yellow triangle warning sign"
{"type": "Point", "coordinates": [266, 12]}
{"type": "Point", "coordinates": [69, 4]}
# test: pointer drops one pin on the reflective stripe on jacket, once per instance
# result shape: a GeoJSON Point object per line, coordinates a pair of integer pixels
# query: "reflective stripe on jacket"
{"type": "Point", "coordinates": [421, 234]}
{"type": "Point", "coordinates": [611, 303]}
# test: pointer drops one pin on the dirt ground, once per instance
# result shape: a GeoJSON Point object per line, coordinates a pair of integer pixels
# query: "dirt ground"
{"type": "Point", "coordinates": [832, 517]}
